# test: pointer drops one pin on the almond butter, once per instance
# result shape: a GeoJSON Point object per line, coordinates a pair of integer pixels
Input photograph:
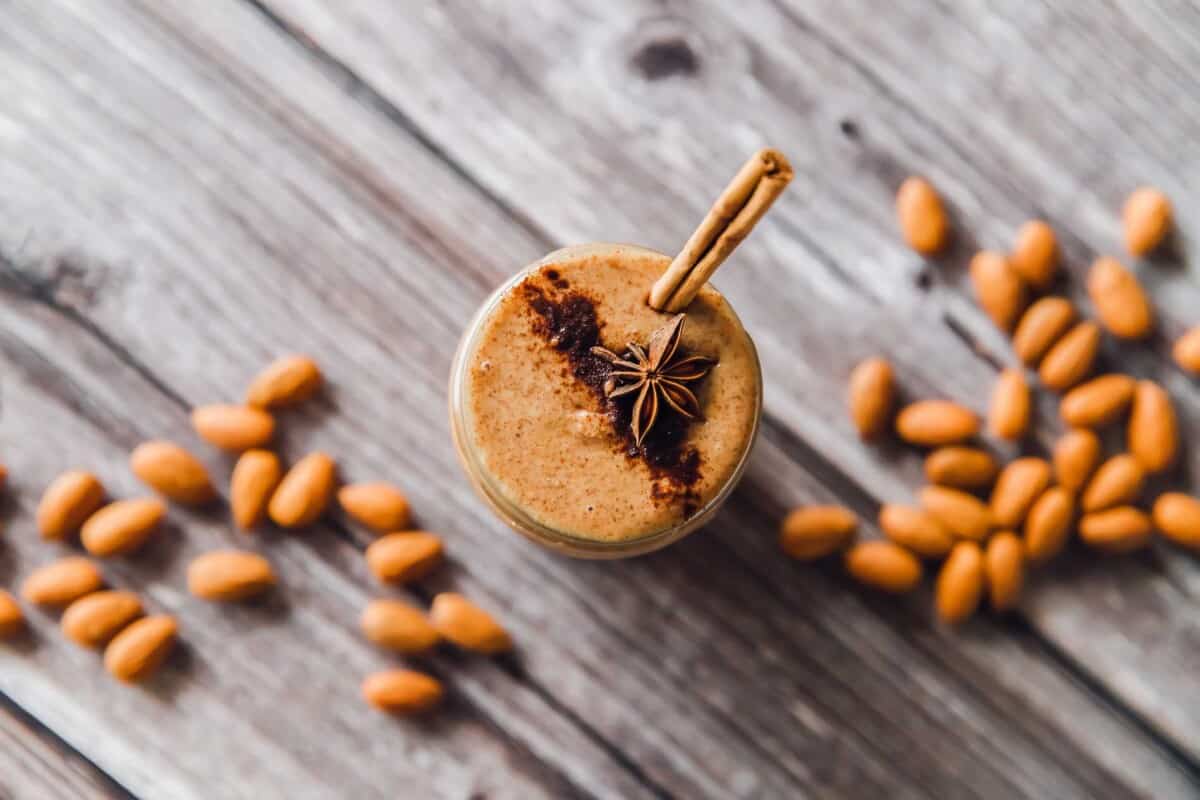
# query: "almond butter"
{"type": "Point", "coordinates": [961, 467]}
{"type": "Point", "coordinates": [229, 575]}
{"type": "Point", "coordinates": [467, 625]}
{"type": "Point", "coordinates": [922, 217]}
{"type": "Point", "coordinates": [964, 515]}
{"type": "Point", "coordinates": [1020, 483]}
{"type": "Point", "coordinates": [1035, 253]}
{"type": "Point", "coordinates": [811, 532]}
{"type": "Point", "coordinates": [915, 529]}
{"type": "Point", "coordinates": [1076, 454]}
{"type": "Point", "coordinates": [1040, 327]}
{"type": "Point", "coordinates": [1147, 218]}
{"type": "Point", "coordinates": [304, 492]}
{"type": "Point", "coordinates": [1004, 564]}
{"type": "Point", "coordinates": [935, 423]}
{"type": "Point", "coordinates": [67, 503]}
{"type": "Point", "coordinates": [1070, 359]}
{"type": "Point", "coordinates": [1121, 303]}
{"type": "Point", "coordinates": [379, 506]}
{"type": "Point", "coordinates": [999, 290]}
{"type": "Point", "coordinates": [94, 619]}
{"type": "Point", "coordinates": [1116, 530]}
{"type": "Point", "coordinates": [404, 557]}
{"type": "Point", "coordinates": [402, 691]}
{"type": "Point", "coordinates": [884, 566]}
{"type": "Point", "coordinates": [122, 527]}
{"type": "Point", "coordinates": [233, 428]}
{"type": "Point", "coordinates": [1117, 482]}
{"type": "Point", "coordinates": [1153, 435]}
{"type": "Point", "coordinates": [1009, 412]}
{"type": "Point", "coordinates": [12, 620]}
{"type": "Point", "coordinates": [172, 472]}
{"type": "Point", "coordinates": [62, 582]}
{"type": "Point", "coordinates": [398, 626]}
{"type": "Point", "coordinates": [1097, 402]}
{"type": "Point", "coordinates": [1048, 525]}
{"type": "Point", "coordinates": [285, 382]}
{"type": "Point", "coordinates": [960, 583]}
{"type": "Point", "coordinates": [1177, 516]}
{"type": "Point", "coordinates": [1186, 351]}
{"type": "Point", "coordinates": [255, 478]}
{"type": "Point", "coordinates": [136, 652]}
{"type": "Point", "coordinates": [872, 391]}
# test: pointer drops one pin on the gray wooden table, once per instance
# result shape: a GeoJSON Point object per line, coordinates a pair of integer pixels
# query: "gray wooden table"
{"type": "Point", "coordinates": [188, 188]}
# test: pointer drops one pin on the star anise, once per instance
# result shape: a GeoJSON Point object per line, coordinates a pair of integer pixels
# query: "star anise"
{"type": "Point", "coordinates": [657, 376]}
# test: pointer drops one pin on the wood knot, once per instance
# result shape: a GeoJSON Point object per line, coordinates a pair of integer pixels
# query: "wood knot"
{"type": "Point", "coordinates": [665, 58]}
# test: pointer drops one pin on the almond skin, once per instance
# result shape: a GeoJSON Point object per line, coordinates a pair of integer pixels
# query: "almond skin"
{"type": "Point", "coordinates": [1186, 351]}
{"type": "Point", "coordinates": [1040, 327]}
{"type": "Point", "coordinates": [122, 527]}
{"type": "Point", "coordinates": [1035, 253]}
{"type": "Point", "coordinates": [871, 394]}
{"type": "Point", "coordinates": [255, 478]}
{"type": "Point", "coordinates": [402, 691]}
{"type": "Point", "coordinates": [922, 217]}
{"type": "Point", "coordinates": [379, 506]}
{"type": "Point", "coordinates": [1071, 358]}
{"type": "Point", "coordinates": [467, 625]}
{"type": "Point", "coordinates": [1048, 525]}
{"type": "Point", "coordinates": [67, 503]}
{"type": "Point", "coordinates": [172, 472]}
{"type": "Point", "coordinates": [285, 382]}
{"type": "Point", "coordinates": [1153, 435]}
{"type": "Point", "coordinates": [936, 423]}
{"type": "Point", "coordinates": [233, 428]}
{"type": "Point", "coordinates": [960, 583]}
{"type": "Point", "coordinates": [964, 515]}
{"type": "Point", "coordinates": [404, 557]}
{"type": "Point", "coordinates": [304, 492]}
{"type": "Point", "coordinates": [915, 529]}
{"type": "Point", "coordinates": [1116, 530]}
{"type": "Point", "coordinates": [229, 575]}
{"type": "Point", "coordinates": [961, 467]}
{"type": "Point", "coordinates": [1019, 485]}
{"type": "Point", "coordinates": [140, 649]}
{"type": "Point", "coordinates": [1009, 412]}
{"type": "Point", "coordinates": [1177, 516]}
{"type": "Point", "coordinates": [1121, 303]}
{"type": "Point", "coordinates": [812, 532]}
{"type": "Point", "coordinates": [1117, 482]}
{"type": "Point", "coordinates": [1004, 565]}
{"type": "Point", "coordinates": [999, 290]}
{"type": "Point", "coordinates": [1097, 402]}
{"type": "Point", "coordinates": [1147, 218]}
{"type": "Point", "coordinates": [1076, 455]}
{"type": "Point", "coordinates": [398, 626]}
{"type": "Point", "coordinates": [884, 566]}
{"type": "Point", "coordinates": [62, 582]}
{"type": "Point", "coordinates": [12, 620]}
{"type": "Point", "coordinates": [93, 620]}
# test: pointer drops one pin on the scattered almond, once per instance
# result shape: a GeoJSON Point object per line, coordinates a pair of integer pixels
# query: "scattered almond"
{"type": "Point", "coordinates": [1117, 482]}
{"type": "Point", "coordinates": [467, 625]}
{"type": "Point", "coordinates": [964, 515]}
{"type": "Point", "coordinates": [1020, 483]}
{"type": "Point", "coordinates": [140, 649]}
{"type": "Point", "coordinates": [62, 582]}
{"type": "Point", "coordinates": [285, 382]}
{"type": "Point", "coordinates": [94, 619]}
{"type": "Point", "coordinates": [1187, 351]}
{"type": "Point", "coordinates": [961, 467]}
{"type": "Point", "coordinates": [1097, 402]}
{"type": "Point", "coordinates": [304, 492]}
{"type": "Point", "coordinates": [998, 288]}
{"type": "Point", "coordinates": [172, 472]}
{"type": "Point", "coordinates": [122, 527]}
{"type": "Point", "coordinates": [1116, 530]}
{"type": "Point", "coordinates": [398, 626]}
{"type": "Point", "coordinates": [404, 557]}
{"type": "Point", "coordinates": [871, 394]}
{"type": "Point", "coordinates": [1070, 359]}
{"type": "Point", "coordinates": [1147, 218]}
{"type": "Point", "coordinates": [935, 423]}
{"type": "Point", "coordinates": [1153, 436]}
{"type": "Point", "coordinates": [960, 583]}
{"type": "Point", "coordinates": [915, 529]}
{"type": "Point", "coordinates": [380, 506]}
{"type": "Point", "coordinates": [811, 532]}
{"type": "Point", "coordinates": [229, 575]}
{"type": "Point", "coordinates": [884, 566]}
{"type": "Point", "coordinates": [1121, 303]}
{"type": "Point", "coordinates": [1009, 412]}
{"type": "Point", "coordinates": [67, 502]}
{"type": "Point", "coordinates": [255, 478]}
{"type": "Point", "coordinates": [1041, 326]}
{"type": "Point", "coordinates": [922, 217]}
{"type": "Point", "coordinates": [1004, 563]}
{"type": "Point", "coordinates": [402, 691]}
{"type": "Point", "coordinates": [233, 428]}
{"type": "Point", "coordinates": [1048, 525]}
{"type": "Point", "coordinates": [1035, 253]}
{"type": "Point", "coordinates": [1076, 454]}
{"type": "Point", "coordinates": [1177, 516]}
{"type": "Point", "coordinates": [12, 619]}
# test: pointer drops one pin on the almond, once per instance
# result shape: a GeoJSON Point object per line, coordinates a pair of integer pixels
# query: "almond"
{"type": "Point", "coordinates": [172, 472]}
{"type": "Point", "coordinates": [1048, 525]}
{"type": "Point", "coordinates": [998, 288]}
{"type": "Point", "coordinates": [1121, 303]}
{"type": "Point", "coordinates": [380, 506]}
{"type": "Point", "coordinates": [1035, 253]}
{"type": "Point", "coordinates": [92, 620]}
{"type": "Point", "coordinates": [62, 582]}
{"type": "Point", "coordinates": [304, 492]}
{"type": "Point", "coordinates": [1147, 218]}
{"type": "Point", "coordinates": [1097, 402]}
{"type": "Point", "coordinates": [1040, 327]}
{"type": "Point", "coordinates": [404, 557]}
{"type": "Point", "coordinates": [467, 625]}
{"type": "Point", "coordinates": [398, 626]}
{"type": "Point", "coordinates": [872, 391]}
{"type": "Point", "coordinates": [1070, 359]}
{"type": "Point", "coordinates": [1177, 516]}
{"type": "Point", "coordinates": [1004, 563]}
{"type": "Point", "coordinates": [812, 532]}
{"type": "Point", "coordinates": [140, 649]}
{"type": "Point", "coordinates": [934, 423]}
{"type": "Point", "coordinates": [1008, 414]}
{"type": "Point", "coordinates": [923, 219]}
{"type": "Point", "coordinates": [960, 583]}
{"type": "Point", "coordinates": [285, 382]}
{"type": "Point", "coordinates": [402, 691]}
{"type": "Point", "coordinates": [255, 478]}
{"type": "Point", "coordinates": [12, 619]}
{"type": "Point", "coordinates": [1116, 530]}
{"type": "Point", "coordinates": [1117, 482]}
{"type": "Point", "coordinates": [3, 475]}
{"type": "Point", "coordinates": [67, 503]}
{"type": "Point", "coordinates": [234, 428]}
{"type": "Point", "coordinates": [1076, 454]}
{"type": "Point", "coordinates": [961, 467]}
{"type": "Point", "coordinates": [229, 575]}
{"type": "Point", "coordinates": [122, 527]}
{"type": "Point", "coordinates": [1187, 351]}
{"type": "Point", "coordinates": [915, 529]}
{"type": "Point", "coordinates": [964, 515]}
{"type": "Point", "coordinates": [1019, 485]}
{"type": "Point", "coordinates": [1153, 434]}
{"type": "Point", "coordinates": [883, 565]}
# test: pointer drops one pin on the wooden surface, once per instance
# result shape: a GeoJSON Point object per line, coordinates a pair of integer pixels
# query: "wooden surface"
{"type": "Point", "coordinates": [188, 189]}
